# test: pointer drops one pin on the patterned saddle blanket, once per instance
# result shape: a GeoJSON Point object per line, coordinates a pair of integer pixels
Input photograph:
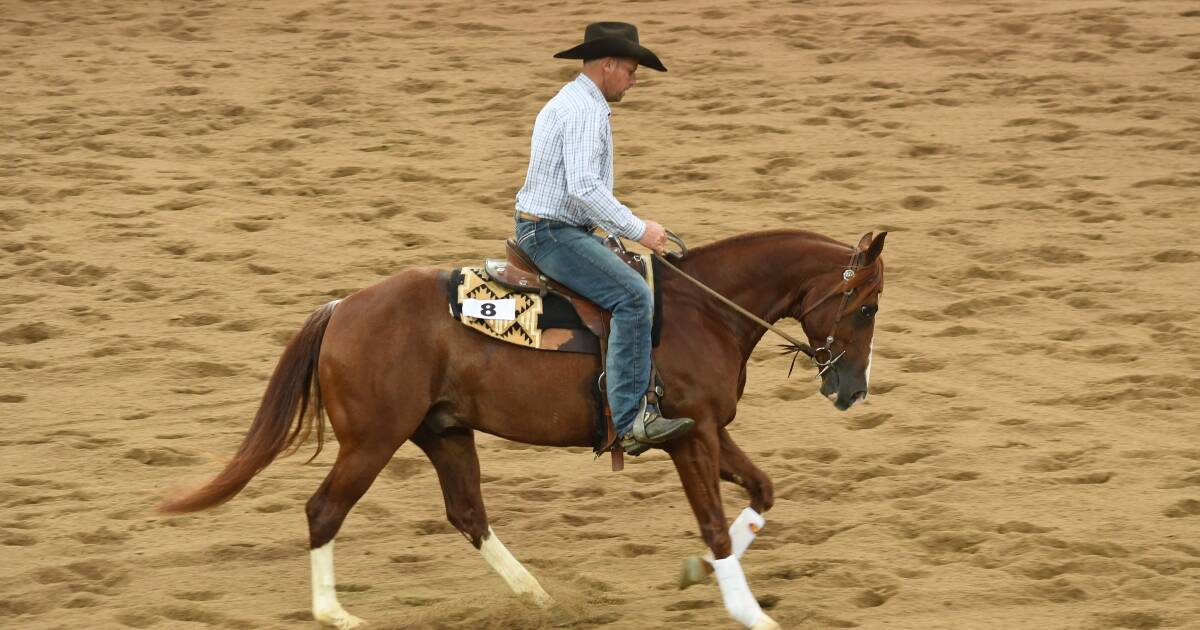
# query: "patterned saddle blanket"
{"type": "Point", "coordinates": [523, 315]}
{"type": "Point", "coordinates": [531, 320]}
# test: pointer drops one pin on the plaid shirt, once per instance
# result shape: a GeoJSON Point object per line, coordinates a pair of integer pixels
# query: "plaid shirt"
{"type": "Point", "coordinates": [570, 176]}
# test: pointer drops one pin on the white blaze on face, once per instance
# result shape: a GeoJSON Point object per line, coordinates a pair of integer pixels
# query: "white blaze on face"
{"type": "Point", "coordinates": [867, 374]}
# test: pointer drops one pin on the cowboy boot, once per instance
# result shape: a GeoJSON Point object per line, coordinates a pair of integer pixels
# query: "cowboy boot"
{"type": "Point", "coordinates": [651, 428]}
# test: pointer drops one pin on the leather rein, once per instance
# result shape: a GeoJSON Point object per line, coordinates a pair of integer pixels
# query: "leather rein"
{"type": "Point", "coordinates": [822, 358]}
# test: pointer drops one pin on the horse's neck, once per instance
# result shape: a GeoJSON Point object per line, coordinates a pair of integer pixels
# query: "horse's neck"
{"type": "Point", "coordinates": [765, 273]}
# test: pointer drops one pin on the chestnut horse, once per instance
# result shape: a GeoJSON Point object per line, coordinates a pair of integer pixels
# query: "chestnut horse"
{"type": "Point", "coordinates": [388, 364]}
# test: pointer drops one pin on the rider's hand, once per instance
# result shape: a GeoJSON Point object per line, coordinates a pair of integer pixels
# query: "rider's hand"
{"type": "Point", "coordinates": [654, 238]}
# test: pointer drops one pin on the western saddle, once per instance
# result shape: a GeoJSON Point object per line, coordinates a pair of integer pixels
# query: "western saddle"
{"type": "Point", "coordinates": [519, 273]}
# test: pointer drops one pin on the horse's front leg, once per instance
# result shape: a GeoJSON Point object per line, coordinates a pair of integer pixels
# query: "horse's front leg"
{"type": "Point", "coordinates": [697, 458]}
{"type": "Point", "coordinates": [737, 468]}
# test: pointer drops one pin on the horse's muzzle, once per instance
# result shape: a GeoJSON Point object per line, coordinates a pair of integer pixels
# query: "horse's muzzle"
{"type": "Point", "coordinates": [841, 390]}
{"type": "Point", "coordinates": [843, 403]}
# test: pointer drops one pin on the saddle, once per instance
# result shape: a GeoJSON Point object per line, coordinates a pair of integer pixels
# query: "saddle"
{"type": "Point", "coordinates": [518, 274]}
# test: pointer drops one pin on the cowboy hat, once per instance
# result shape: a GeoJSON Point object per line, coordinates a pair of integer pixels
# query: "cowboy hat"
{"type": "Point", "coordinates": [612, 39]}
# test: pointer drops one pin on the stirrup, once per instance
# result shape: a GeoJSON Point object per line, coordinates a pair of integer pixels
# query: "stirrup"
{"type": "Point", "coordinates": [644, 424]}
{"type": "Point", "coordinates": [632, 446]}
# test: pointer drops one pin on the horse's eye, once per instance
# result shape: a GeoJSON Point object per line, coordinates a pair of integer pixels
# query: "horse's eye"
{"type": "Point", "coordinates": [867, 310]}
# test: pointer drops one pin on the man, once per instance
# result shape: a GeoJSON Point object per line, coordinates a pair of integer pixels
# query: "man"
{"type": "Point", "coordinates": [568, 192]}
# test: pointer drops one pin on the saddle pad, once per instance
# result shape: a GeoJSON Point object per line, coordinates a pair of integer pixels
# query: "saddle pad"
{"type": "Point", "coordinates": [542, 323]}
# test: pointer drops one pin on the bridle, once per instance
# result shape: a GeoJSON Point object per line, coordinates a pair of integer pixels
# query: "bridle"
{"type": "Point", "coordinates": [851, 282]}
{"type": "Point", "coordinates": [853, 279]}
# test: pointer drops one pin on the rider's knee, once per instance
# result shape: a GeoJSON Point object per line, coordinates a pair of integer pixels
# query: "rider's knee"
{"type": "Point", "coordinates": [643, 299]}
{"type": "Point", "coordinates": [636, 301]}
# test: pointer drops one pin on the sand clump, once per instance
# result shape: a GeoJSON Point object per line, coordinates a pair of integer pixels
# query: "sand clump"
{"type": "Point", "coordinates": [183, 183]}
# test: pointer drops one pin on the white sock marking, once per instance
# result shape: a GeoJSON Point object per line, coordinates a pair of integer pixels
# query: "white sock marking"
{"type": "Point", "coordinates": [325, 606]}
{"type": "Point", "coordinates": [518, 579]}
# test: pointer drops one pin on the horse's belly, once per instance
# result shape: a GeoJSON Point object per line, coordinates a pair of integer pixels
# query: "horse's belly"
{"type": "Point", "coordinates": [530, 396]}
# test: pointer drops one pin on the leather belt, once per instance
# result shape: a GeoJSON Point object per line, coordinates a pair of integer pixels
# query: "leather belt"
{"type": "Point", "coordinates": [535, 218]}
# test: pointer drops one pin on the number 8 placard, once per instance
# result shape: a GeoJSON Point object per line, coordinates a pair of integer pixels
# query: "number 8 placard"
{"type": "Point", "coordinates": [490, 309]}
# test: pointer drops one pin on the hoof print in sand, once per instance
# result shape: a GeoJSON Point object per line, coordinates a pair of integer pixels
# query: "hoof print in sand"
{"type": "Point", "coordinates": [161, 456]}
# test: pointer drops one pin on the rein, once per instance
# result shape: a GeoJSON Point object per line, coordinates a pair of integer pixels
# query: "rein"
{"type": "Point", "coordinates": [794, 347]}
{"type": "Point", "coordinates": [799, 346]}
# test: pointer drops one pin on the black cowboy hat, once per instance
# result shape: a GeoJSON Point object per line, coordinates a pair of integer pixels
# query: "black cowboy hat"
{"type": "Point", "coordinates": [612, 39]}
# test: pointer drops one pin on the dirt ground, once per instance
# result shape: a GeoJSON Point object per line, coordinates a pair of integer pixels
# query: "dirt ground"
{"type": "Point", "coordinates": [182, 183]}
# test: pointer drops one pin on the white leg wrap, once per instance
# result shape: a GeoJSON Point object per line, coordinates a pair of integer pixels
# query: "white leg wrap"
{"type": "Point", "coordinates": [518, 579]}
{"type": "Point", "coordinates": [325, 606]}
{"type": "Point", "coordinates": [743, 531]}
{"type": "Point", "coordinates": [738, 600]}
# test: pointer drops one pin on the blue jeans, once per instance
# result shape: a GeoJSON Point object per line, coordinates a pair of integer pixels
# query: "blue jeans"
{"type": "Point", "coordinates": [581, 262]}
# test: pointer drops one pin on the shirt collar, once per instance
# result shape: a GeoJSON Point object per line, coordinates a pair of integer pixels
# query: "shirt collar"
{"type": "Point", "coordinates": [588, 86]}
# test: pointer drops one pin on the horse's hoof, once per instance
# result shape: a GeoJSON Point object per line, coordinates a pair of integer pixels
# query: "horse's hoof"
{"type": "Point", "coordinates": [339, 619]}
{"type": "Point", "coordinates": [541, 599]}
{"type": "Point", "coordinates": [765, 623]}
{"type": "Point", "coordinates": [692, 573]}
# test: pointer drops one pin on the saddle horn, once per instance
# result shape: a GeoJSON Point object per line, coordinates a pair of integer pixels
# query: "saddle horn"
{"type": "Point", "coordinates": [683, 250]}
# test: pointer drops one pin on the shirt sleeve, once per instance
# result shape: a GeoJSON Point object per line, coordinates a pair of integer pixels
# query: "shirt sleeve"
{"type": "Point", "coordinates": [585, 148]}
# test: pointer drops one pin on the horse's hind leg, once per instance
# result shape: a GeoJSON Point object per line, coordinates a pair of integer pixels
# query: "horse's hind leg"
{"type": "Point", "coordinates": [452, 453]}
{"type": "Point", "coordinates": [356, 467]}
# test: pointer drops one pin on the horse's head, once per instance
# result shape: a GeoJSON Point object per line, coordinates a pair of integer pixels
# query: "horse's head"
{"type": "Point", "coordinates": [838, 315]}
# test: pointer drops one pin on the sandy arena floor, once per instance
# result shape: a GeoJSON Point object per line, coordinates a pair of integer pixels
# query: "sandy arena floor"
{"type": "Point", "coordinates": [182, 183]}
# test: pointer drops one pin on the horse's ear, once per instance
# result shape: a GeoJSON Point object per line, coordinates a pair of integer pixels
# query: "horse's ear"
{"type": "Point", "coordinates": [875, 249]}
{"type": "Point", "coordinates": [864, 242]}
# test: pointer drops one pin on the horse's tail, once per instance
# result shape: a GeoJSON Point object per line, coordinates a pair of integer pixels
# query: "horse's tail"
{"type": "Point", "coordinates": [277, 425]}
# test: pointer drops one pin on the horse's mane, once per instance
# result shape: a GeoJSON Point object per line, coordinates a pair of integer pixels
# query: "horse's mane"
{"type": "Point", "coordinates": [753, 238]}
